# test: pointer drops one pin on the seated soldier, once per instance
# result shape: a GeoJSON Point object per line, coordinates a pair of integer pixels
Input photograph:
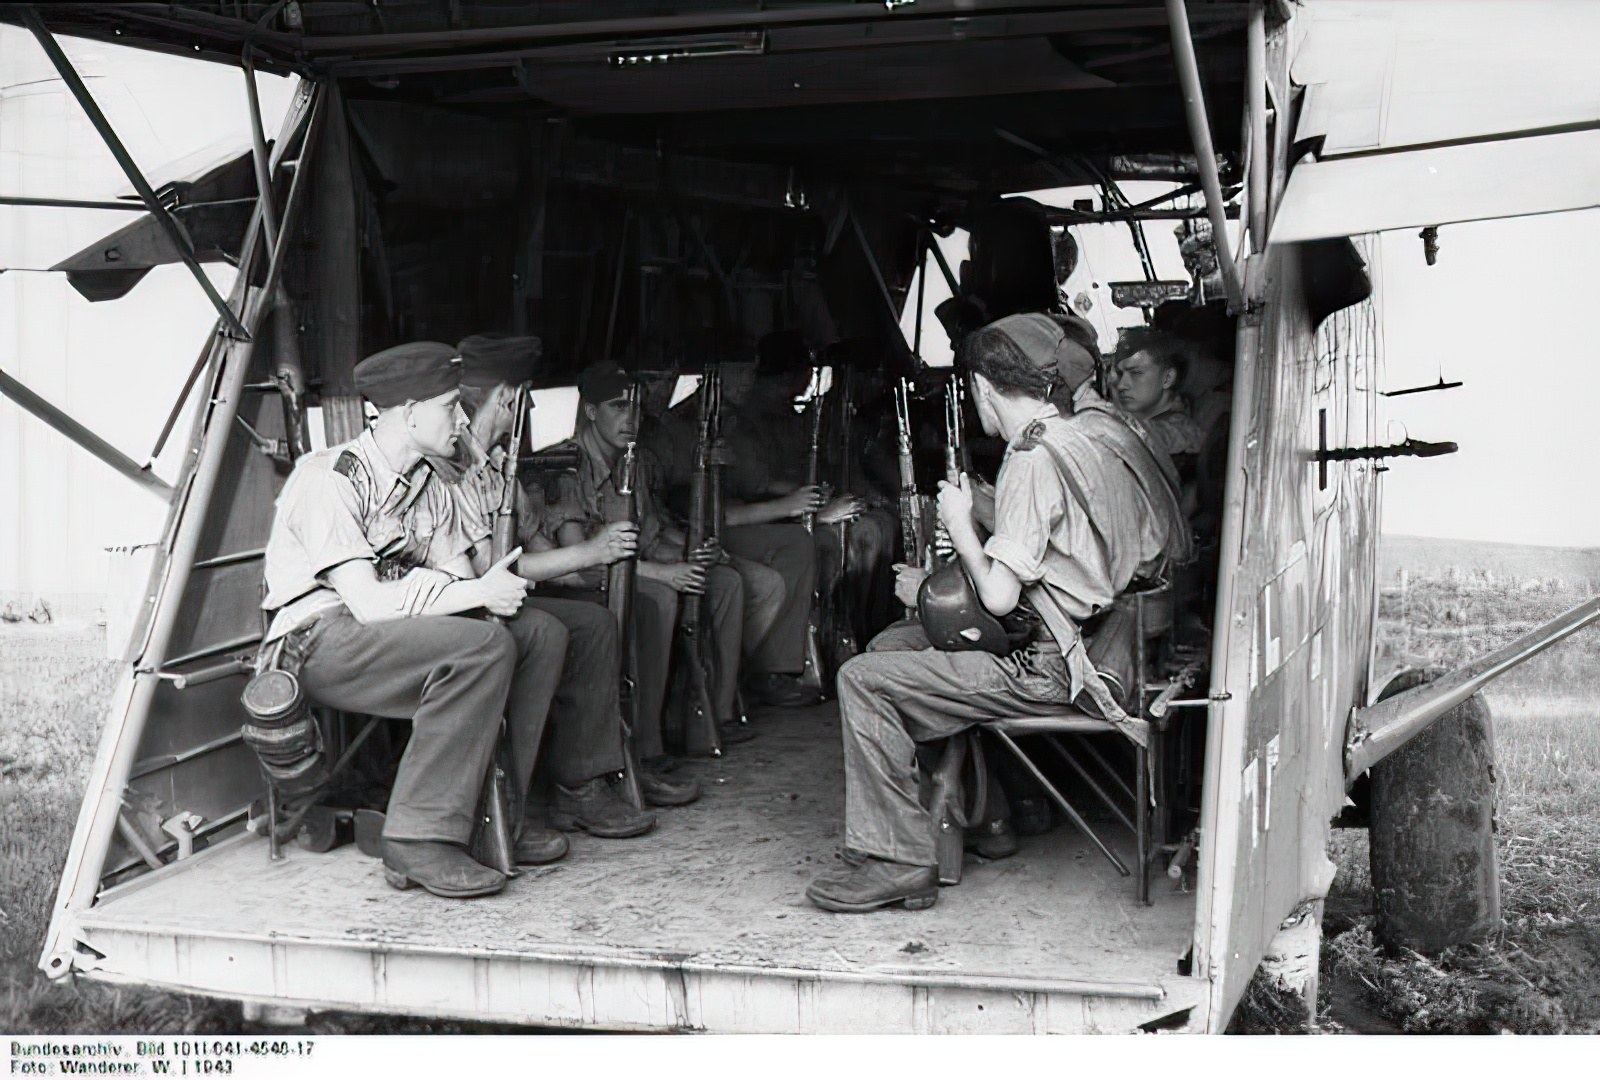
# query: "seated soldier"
{"type": "Point", "coordinates": [606, 425]}
{"type": "Point", "coordinates": [492, 367]}
{"type": "Point", "coordinates": [768, 447]}
{"type": "Point", "coordinates": [1150, 373]}
{"type": "Point", "coordinates": [1073, 541]}
{"type": "Point", "coordinates": [367, 575]}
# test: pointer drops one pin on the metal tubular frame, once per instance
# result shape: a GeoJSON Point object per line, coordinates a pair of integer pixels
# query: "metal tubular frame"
{"type": "Point", "coordinates": [175, 231]}
{"type": "Point", "coordinates": [1381, 729]}
{"type": "Point", "coordinates": [1256, 114]}
{"type": "Point", "coordinates": [114, 761]}
{"type": "Point", "coordinates": [72, 204]}
{"type": "Point", "coordinates": [1194, 107]}
{"type": "Point", "coordinates": [39, 407]}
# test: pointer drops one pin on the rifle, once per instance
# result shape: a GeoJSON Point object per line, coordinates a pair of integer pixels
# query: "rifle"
{"type": "Point", "coordinates": [912, 535]}
{"type": "Point", "coordinates": [505, 518]}
{"type": "Point", "coordinates": [697, 729]}
{"type": "Point", "coordinates": [716, 469]}
{"type": "Point", "coordinates": [493, 839]}
{"type": "Point", "coordinates": [619, 585]}
{"type": "Point", "coordinates": [811, 676]}
{"type": "Point", "coordinates": [839, 615]}
{"type": "Point", "coordinates": [948, 603]}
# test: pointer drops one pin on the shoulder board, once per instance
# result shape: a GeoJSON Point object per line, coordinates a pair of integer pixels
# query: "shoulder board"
{"type": "Point", "coordinates": [349, 465]}
{"type": "Point", "coordinates": [1031, 436]}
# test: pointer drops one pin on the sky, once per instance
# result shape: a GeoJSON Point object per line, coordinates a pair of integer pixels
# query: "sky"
{"type": "Point", "coordinates": [1503, 310]}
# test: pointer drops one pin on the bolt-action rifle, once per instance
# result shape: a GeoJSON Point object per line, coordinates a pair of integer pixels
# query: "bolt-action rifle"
{"type": "Point", "coordinates": [619, 585]}
{"type": "Point", "coordinates": [494, 836]}
{"type": "Point", "coordinates": [697, 724]}
{"type": "Point", "coordinates": [811, 677]}
{"type": "Point", "coordinates": [912, 535]}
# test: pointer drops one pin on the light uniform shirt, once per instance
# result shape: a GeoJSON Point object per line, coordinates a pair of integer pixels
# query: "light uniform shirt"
{"type": "Point", "coordinates": [1084, 554]}
{"type": "Point", "coordinates": [480, 489]}
{"type": "Point", "coordinates": [346, 503]}
{"type": "Point", "coordinates": [580, 495]}
{"type": "Point", "coordinates": [1173, 431]}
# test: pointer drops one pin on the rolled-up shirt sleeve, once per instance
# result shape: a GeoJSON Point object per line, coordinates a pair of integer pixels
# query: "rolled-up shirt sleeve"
{"type": "Point", "coordinates": [565, 504]}
{"type": "Point", "coordinates": [1028, 504]}
{"type": "Point", "coordinates": [325, 519]}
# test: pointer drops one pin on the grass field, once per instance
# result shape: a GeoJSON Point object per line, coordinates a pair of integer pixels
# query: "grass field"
{"type": "Point", "coordinates": [1540, 973]}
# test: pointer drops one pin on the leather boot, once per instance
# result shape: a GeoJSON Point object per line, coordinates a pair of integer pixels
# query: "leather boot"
{"type": "Point", "coordinates": [536, 846]}
{"type": "Point", "coordinates": [660, 789]}
{"type": "Point", "coordinates": [443, 869]}
{"type": "Point", "coordinates": [875, 884]}
{"type": "Point", "coordinates": [732, 733]}
{"type": "Point", "coordinates": [993, 839]}
{"type": "Point", "coordinates": [596, 808]}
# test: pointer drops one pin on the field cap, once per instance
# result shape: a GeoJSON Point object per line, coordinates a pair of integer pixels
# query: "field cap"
{"type": "Point", "coordinates": [1044, 341]}
{"type": "Point", "coordinates": [603, 382]}
{"type": "Point", "coordinates": [491, 359]}
{"type": "Point", "coordinates": [412, 372]}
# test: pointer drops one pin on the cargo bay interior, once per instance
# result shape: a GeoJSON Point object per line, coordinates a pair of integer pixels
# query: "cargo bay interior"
{"type": "Point", "coordinates": [661, 204]}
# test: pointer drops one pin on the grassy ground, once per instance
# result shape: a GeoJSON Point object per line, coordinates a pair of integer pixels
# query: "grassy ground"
{"type": "Point", "coordinates": [1541, 972]}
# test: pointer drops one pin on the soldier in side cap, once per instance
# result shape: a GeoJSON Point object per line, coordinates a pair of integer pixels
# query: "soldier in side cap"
{"type": "Point", "coordinates": [492, 367]}
{"type": "Point", "coordinates": [368, 577]}
{"type": "Point", "coordinates": [1080, 511]}
{"type": "Point", "coordinates": [666, 571]}
{"type": "Point", "coordinates": [768, 444]}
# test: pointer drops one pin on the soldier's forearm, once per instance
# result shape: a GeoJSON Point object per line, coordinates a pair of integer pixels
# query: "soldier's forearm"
{"type": "Point", "coordinates": [558, 562]}
{"type": "Point", "coordinates": [997, 586]}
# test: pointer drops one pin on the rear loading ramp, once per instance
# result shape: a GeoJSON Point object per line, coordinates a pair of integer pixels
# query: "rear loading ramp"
{"type": "Point", "coordinates": [701, 926]}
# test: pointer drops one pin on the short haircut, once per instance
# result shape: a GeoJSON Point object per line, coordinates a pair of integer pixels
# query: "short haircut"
{"type": "Point", "coordinates": [473, 397]}
{"type": "Point", "coordinates": [1166, 351]}
{"type": "Point", "coordinates": [992, 353]}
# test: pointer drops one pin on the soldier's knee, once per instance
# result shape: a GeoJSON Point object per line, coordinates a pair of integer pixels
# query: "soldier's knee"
{"type": "Point", "coordinates": [591, 627]}
{"type": "Point", "coordinates": [497, 646]}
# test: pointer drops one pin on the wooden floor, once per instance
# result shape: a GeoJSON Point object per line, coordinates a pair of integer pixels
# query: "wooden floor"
{"type": "Point", "coordinates": [720, 882]}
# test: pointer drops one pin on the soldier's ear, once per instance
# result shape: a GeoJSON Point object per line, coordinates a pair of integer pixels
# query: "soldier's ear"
{"type": "Point", "coordinates": [590, 412]}
{"type": "Point", "coordinates": [1169, 378]}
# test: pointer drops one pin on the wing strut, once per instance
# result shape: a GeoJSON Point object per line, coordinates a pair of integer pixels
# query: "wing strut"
{"type": "Point", "coordinates": [175, 231]}
{"type": "Point", "coordinates": [1194, 105]}
{"type": "Point", "coordinates": [85, 438]}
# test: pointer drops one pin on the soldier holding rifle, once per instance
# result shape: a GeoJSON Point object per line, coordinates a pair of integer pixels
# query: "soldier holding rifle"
{"type": "Point", "coordinates": [1074, 524]}
{"type": "Point", "coordinates": [607, 423]}
{"type": "Point", "coordinates": [367, 578]}
{"type": "Point", "coordinates": [585, 751]}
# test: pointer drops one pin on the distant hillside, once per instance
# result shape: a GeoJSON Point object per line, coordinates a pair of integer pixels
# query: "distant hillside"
{"type": "Point", "coordinates": [1425, 556]}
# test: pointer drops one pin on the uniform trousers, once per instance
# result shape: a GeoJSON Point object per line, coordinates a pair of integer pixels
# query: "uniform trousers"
{"type": "Point", "coordinates": [450, 677]}
{"type": "Point", "coordinates": [569, 670]}
{"type": "Point", "coordinates": [655, 620]}
{"type": "Point", "coordinates": [791, 552]}
{"type": "Point", "coordinates": [891, 700]}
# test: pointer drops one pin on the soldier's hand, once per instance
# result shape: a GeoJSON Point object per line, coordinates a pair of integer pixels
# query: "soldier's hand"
{"type": "Point", "coordinates": [805, 499]}
{"type": "Point", "coordinates": [617, 541]}
{"type": "Point", "coordinates": [907, 581]}
{"type": "Point", "coordinates": [844, 508]}
{"type": "Point", "coordinates": [503, 591]}
{"type": "Point", "coordinates": [709, 553]}
{"type": "Point", "coordinates": [955, 505]}
{"type": "Point", "coordinates": [686, 578]}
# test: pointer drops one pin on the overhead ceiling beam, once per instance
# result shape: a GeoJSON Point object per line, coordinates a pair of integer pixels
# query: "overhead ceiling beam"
{"type": "Point", "coordinates": [1083, 16]}
{"type": "Point", "coordinates": [38, 406]}
{"type": "Point", "coordinates": [169, 224]}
